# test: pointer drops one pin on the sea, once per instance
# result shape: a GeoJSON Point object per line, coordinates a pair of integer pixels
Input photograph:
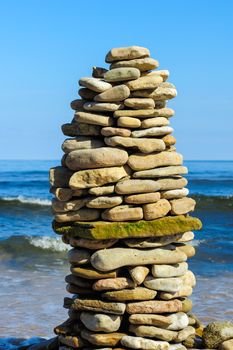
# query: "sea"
{"type": "Point", "coordinates": [33, 257]}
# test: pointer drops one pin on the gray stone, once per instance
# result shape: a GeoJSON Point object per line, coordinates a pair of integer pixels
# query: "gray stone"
{"type": "Point", "coordinates": [136, 186]}
{"type": "Point", "coordinates": [143, 64]}
{"type": "Point", "coordinates": [100, 322]}
{"type": "Point", "coordinates": [94, 84]}
{"type": "Point", "coordinates": [102, 107]}
{"type": "Point", "coordinates": [116, 93]}
{"type": "Point", "coordinates": [95, 119]}
{"type": "Point", "coordinates": [122, 74]}
{"type": "Point", "coordinates": [103, 202]}
{"type": "Point", "coordinates": [126, 53]}
{"type": "Point", "coordinates": [81, 142]}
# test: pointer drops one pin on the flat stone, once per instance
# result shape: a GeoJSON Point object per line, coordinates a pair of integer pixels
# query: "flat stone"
{"type": "Point", "coordinates": [167, 271]}
{"type": "Point", "coordinates": [126, 53]}
{"type": "Point", "coordinates": [98, 72]}
{"type": "Point", "coordinates": [79, 256]}
{"type": "Point", "coordinates": [83, 214]}
{"type": "Point", "coordinates": [140, 161]}
{"type": "Point", "coordinates": [153, 320]}
{"type": "Point", "coordinates": [87, 94]}
{"type": "Point", "coordinates": [100, 230]}
{"type": "Point", "coordinates": [92, 244]}
{"type": "Point", "coordinates": [140, 103]}
{"type": "Point", "coordinates": [80, 129]}
{"type": "Point", "coordinates": [128, 122]}
{"type": "Point", "coordinates": [79, 282]}
{"type": "Point", "coordinates": [115, 94]}
{"type": "Point", "coordinates": [94, 84]}
{"type": "Point", "coordinates": [59, 176]}
{"type": "Point", "coordinates": [98, 306]}
{"type": "Point", "coordinates": [182, 205]}
{"type": "Point", "coordinates": [155, 131]}
{"type": "Point", "coordinates": [172, 183]}
{"type": "Point", "coordinates": [189, 250]}
{"type": "Point", "coordinates": [91, 118]}
{"type": "Point", "coordinates": [185, 334]}
{"type": "Point", "coordinates": [138, 293]}
{"type": "Point", "coordinates": [138, 274]}
{"type": "Point", "coordinates": [136, 186]}
{"type": "Point", "coordinates": [70, 341]}
{"type": "Point", "coordinates": [81, 142]}
{"type": "Point", "coordinates": [101, 339]}
{"type": "Point", "coordinates": [143, 64]}
{"type": "Point", "coordinates": [72, 205]}
{"type": "Point", "coordinates": [73, 289]}
{"type": "Point", "coordinates": [153, 332]}
{"type": "Point", "coordinates": [156, 210]}
{"type": "Point", "coordinates": [145, 113]}
{"type": "Point", "coordinates": [146, 82]}
{"type": "Point", "coordinates": [175, 194]}
{"type": "Point", "coordinates": [153, 242]}
{"type": "Point", "coordinates": [62, 194]}
{"type": "Point", "coordinates": [100, 322]}
{"type": "Point", "coordinates": [144, 344]}
{"type": "Point", "coordinates": [90, 273]}
{"type": "Point", "coordinates": [96, 177]}
{"type": "Point", "coordinates": [102, 107]}
{"type": "Point", "coordinates": [108, 259]}
{"type": "Point", "coordinates": [178, 321]}
{"type": "Point", "coordinates": [144, 145]}
{"type": "Point", "coordinates": [103, 202]}
{"type": "Point", "coordinates": [163, 91]}
{"type": "Point", "coordinates": [186, 237]}
{"type": "Point", "coordinates": [123, 213]}
{"type": "Point", "coordinates": [121, 74]}
{"type": "Point", "coordinates": [159, 172]}
{"type": "Point", "coordinates": [110, 131]}
{"type": "Point", "coordinates": [154, 122]}
{"type": "Point", "coordinates": [164, 73]}
{"type": "Point", "coordinates": [172, 284]}
{"type": "Point", "coordinates": [96, 158]}
{"type": "Point", "coordinates": [117, 283]}
{"type": "Point", "coordinates": [142, 198]}
{"type": "Point", "coordinates": [77, 104]}
{"type": "Point", "coordinates": [227, 345]}
{"type": "Point", "coordinates": [155, 306]}
{"type": "Point", "coordinates": [185, 291]}
{"type": "Point", "coordinates": [189, 278]}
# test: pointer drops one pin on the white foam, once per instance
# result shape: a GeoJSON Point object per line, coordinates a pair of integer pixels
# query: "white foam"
{"type": "Point", "coordinates": [28, 200]}
{"type": "Point", "coordinates": [51, 243]}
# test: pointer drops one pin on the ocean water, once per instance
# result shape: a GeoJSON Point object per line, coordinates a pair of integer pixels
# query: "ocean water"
{"type": "Point", "coordinates": [33, 258]}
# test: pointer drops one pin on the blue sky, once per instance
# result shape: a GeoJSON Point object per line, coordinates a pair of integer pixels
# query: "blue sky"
{"type": "Point", "coordinates": [47, 45]}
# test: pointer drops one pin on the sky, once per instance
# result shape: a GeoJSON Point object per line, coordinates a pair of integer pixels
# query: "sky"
{"type": "Point", "coordinates": [47, 45]}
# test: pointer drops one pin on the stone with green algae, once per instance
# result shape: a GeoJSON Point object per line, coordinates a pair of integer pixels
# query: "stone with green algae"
{"type": "Point", "coordinates": [165, 226]}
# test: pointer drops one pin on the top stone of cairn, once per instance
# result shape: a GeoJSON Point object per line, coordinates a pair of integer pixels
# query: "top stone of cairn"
{"type": "Point", "coordinates": [126, 53]}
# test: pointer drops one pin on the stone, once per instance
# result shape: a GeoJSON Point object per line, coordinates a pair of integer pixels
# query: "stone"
{"type": "Point", "coordinates": [156, 210]}
{"type": "Point", "coordinates": [121, 74]}
{"type": "Point", "coordinates": [175, 194]}
{"type": "Point", "coordinates": [108, 259]}
{"type": "Point", "coordinates": [136, 186]}
{"type": "Point", "coordinates": [156, 131]}
{"type": "Point", "coordinates": [186, 237]}
{"type": "Point", "coordinates": [87, 94]}
{"type": "Point", "coordinates": [79, 282]}
{"type": "Point", "coordinates": [91, 273]}
{"type": "Point", "coordinates": [189, 278]}
{"type": "Point", "coordinates": [91, 118]}
{"type": "Point", "coordinates": [144, 344]}
{"type": "Point", "coordinates": [143, 145]}
{"type": "Point", "coordinates": [100, 322]}
{"type": "Point", "coordinates": [182, 205]}
{"type": "Point", "coordinates": [102, 107]}
{"type": "Point", "coordinates": [77, 104]}
{"type": "Point", "coordinates": [70, 341]}
{"type": "Point", "coordinates": [92, 244]}
{"type": "Point", "coordinates": [145, 113]}
{"type": "Point", "coordinates": [172, 284]}
{"type": "Point", "coordinates": [78, 256]}
{"type": "Point", "coordinates": [117, 283]}
{"type": "Point", "coordinates": [151, 319]}
{"type": "Point", "coordinates": [128, 122]}
{"type": "Point", "coordinates": [164, 73]}
{"type": "Point", "coordinates": [94, 84]}
{"type": "Point", "coordinates": [98, 306]}
{"type": "Point", "coordinates": [138, 293]}
{"type": "Point", "coordinates": [103, 190]}
{"type": "Point", "coordinates": [172, 183]}
{"type": "Point", "coordinates": [144, 83]}
{"type": "Point", "coordinates": [178, 347]}
{"type": "Point", "coordinates": [83, 214]}
{"type": "Point", "coordinates": [103, 202]}
{"type": "Point", "coordinates": [111, 131]}
{"type": "Point", "coordinates": [185, 291]}
{"type": "Point", "coordinates": [140, 103]}
{"type": "Point", "coordinates": [153, 242]}
{"type": "Point", "coordinates": [96, 177]}
{"type": "Point", "coordinates": [169, 225]}
{"type": "Point", "coordinates": [142, 198]}
{"type": "Point", "coordinates": [98, 72]}
{"type": "Point", "coordinates": [115, 94]}
{"type": "Point", "coordinates": [227, 345]}
{"type": "Point", "coordinates": [153, 332]}
{"type": "Point", "coordinates": [126, 53]}
{"type": "Point", "coordinates": [160, 172]}
{"type": "Point", "coordinates": [62, 194]}
{"type": "Point", "coordinates": [59, 176]}
{"type": "Point", "coordinates": [138, 274]}
{"type": "Point", "coordinates": [81, 142]}
{"type": "Point", "coordinates": [140, 161]}
{"type": "Point", "coordinates": [101, 339]}
{"type": "Point", "coordinates": [167, 271]}
{"type": "Point", "coordinates": [143, 64]}
{"type": "Point", "coordinates": [178, 321]}
{"type": "Point", "coordinates": [159, 92]}
{"type": "Point", "coordinates": [185, 333]}
{"type": "Point", "coordinates": [154, 122]}
{"type": "Point", "coordinates": [80, 129]}
{"type": "Point", "coordinates": [189, 250]}
{"type": "Point", "coordinates": [73, 289]}
{"type": "Point", "coordinates": [154, 306]}
{"type": "Point", "coordinates": [169, 140]}
{"type": "Point", "coordinates": [123, 213]}
{"type": "Point", "coordinates": [96, 158]}
{"type": "Point", "coordinates": [72, 205]}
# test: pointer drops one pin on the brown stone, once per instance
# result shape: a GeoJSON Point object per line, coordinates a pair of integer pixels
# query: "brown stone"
{"type": "Point", "coordinates": [145, 113]}
{"type": "Point", "coordinates": [98, 306]}
{"type": "Point", "coordinates": [144, 145]}
{"type": "Point", "coordinates": [156, 210]}
{"type": "Point", "coordinates": [138, 274]}
{"type": "Point", "coordinates": [128, 122]}
{"type": "Point", "coordinates": [117, 283]}
{"type": "Point", "coordinates": [146, 82]}
{"type": "Point", "coordinates": [182, 205]}
{"type": "Point", "coordinates": [110, 131]}
{"type": "Point", "coordinates": [83, 214]}
{"type": "Point", "coordinates": [80, 129]}
{"type": "Point", "coordinates": [157, 121]}
{"type": "Point", "coordinates": [142, 198]}
{"type": "Point", "coordinates": [123, 213]}
{"type": "Point", "coordinates": [126, 53]}
{"type": "Point", "coordinates": [154, 160]}
{"type": "Point", "coordinates": [91, 273]}
{"type": "Point", "coordinates": [136, 186]}
{"type": "Point", "coordinates": [138, 293]}
{"type": "Point", "coordinates": [116, 93]}
{"type": "Point", "coordinates": [101, 339]}
{"type": "Point", "coordinates": [140, 103]}
{"type": "Point", "coordinates": [143, 64]}
{"type": "Point", "coordinates": [95, 119]}
{"type": "Point", "coordinates": [81, 142]}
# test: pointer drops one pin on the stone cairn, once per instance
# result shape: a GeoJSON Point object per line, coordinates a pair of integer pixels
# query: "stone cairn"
{"type": "Point", "coordinates": [121, 203]}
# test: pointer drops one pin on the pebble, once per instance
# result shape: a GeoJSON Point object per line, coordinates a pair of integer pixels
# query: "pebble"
{"type": "Point", "coordinates": [100, 191]}
{"type": "Point", "coordinates": [126, 53]}
{"type": "Point", "coordinates": [83, 214]}
{"type": "Point", "coordinates": [182, 205]}
{"type": "Point", "coordinates": [110, 131]}
{"type": "Point", "coordinates": [123, 213]}
{"type": "Point", "coordinates": [121, 74]}
{"type": "Point", "coordinates": [91, 273]}
{"type": "Point", "coordinates": [81, 142]}
{"type": "Point", "coordinates": [79, 282]}
{"type": "Point", "coordinates": [140, 161]}
{"type": "Point", "coordinates": [144, 344]}
{"type": "Point", "coordinates": [98, 306]}
{"type": "Point", "coordinates": [96, 158]}
{"type": "Point", "coordinates": [72, 205]}
{"type": "Point", "coordinates": [144, 83]}
{"type": "Point", "coordinates": [164, 73]}
{"type": "Point", "coordinates": [59, 176]}
{"type": "Point", "coordinates": [153, 332]}
{"type": "Point", "coordinates": [62, 194]}
{"type": "Point", "coordinates": [136, 186]}
{"type": "Point", "coordinates": [96, 119]}
{"type": "Point", "coordinates": [87, 94]}
{"type": "Point", "coordinates": [140, 103]}
{"type": "Point", "coordinates": [100, 322]}
{"type": "Point", "coordinates": [80, 129]}
{"type": "Point", "coordinates": [78, 104]}
{"type": "Point", "coordinates": [172, 284]}
{"type": "Point", "coordinates": [128, 122]}
{"type": "Point", "coordinates": [167, 271]}
{"type": "Point", "coordinates": [116, 283]}
{"type": "Point", "coordinates": [156, 210]}
{"type": "Point", "coordinates": [138, 293]}
{"type": "Point", "coordinates": [155, 131]}
{"type": "Point", "coordinates": [103, 202]}
{"type": "Point", "coordinates": [150, 319]}
{"type": "Point", "coordinates": [145, 113]}
{"type": "Point", "coordinates": [116, 93]}
{"type": "Point", "coordinates": [138, 274]}
{"type": "Point", "coordinates": [187, 249]}
{"type": "Point", "coordinates": [79, 256]}
{"type": "Point", "coordinates": [154, 122]}
{"type": "Point", "coordinates": [143, 64]}
{"type": "Point", "coordinates": [175, 194]}
{"type": "Point", "coordinates": [101, 339]}
{"type": "Point", "coordinates": [169, 140]}
{"type": "Point", "coordinates": [172, 183]}
{"type": "Point", "coordinates": [102, 107]}
{"type": "Point", "coordinates": [160, 92]}
{"type": "Point", "coordinates": [94, 84]}
{"type": "Point", "coordinates": [144, 145]}
{"type": "Point", "coordinates": [142, 198]}
{"type": "Point", "coordinates": [185, 291]}
{"type": "Point", "coordinates": [160, 172]}
{"type": "Point", "coordinates": [186, 237]}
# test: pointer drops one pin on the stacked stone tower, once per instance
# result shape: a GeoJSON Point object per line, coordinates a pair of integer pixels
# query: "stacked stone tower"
{"type": "Point", "coordinates": [121, 204]}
